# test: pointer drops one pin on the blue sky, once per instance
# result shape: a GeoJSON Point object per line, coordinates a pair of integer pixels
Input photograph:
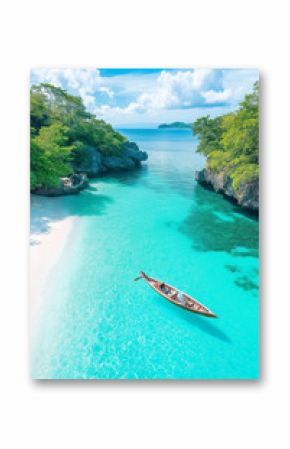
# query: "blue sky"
{"type": "Point", "coordinates": [148, 97]}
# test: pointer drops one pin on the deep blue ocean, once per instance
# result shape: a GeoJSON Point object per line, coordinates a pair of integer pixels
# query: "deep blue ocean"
{"type": "Point", "coordinates": [95, 322]}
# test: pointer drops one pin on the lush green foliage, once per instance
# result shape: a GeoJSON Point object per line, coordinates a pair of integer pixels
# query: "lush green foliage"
{"type": "Point", "coordinates": [231, 142]}
{"type": "Point", "coordinates": [50, 155]}
{"type": "Point", "coordinates": [61, 129]}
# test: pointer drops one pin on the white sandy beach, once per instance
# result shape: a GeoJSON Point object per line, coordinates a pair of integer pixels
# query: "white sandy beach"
{"type": "Point", "coordinates": [45, 250]}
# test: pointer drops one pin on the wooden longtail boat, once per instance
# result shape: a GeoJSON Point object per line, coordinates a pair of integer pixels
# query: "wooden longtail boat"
{"type": "Point", "coordinates": [176, 296]}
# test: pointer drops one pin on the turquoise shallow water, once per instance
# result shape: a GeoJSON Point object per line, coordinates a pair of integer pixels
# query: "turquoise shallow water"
{"type": "Point", "coordinates": [96, 323]}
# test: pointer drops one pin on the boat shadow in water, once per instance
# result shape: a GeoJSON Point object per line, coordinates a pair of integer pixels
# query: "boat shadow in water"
{"type": "Point", "coordinates": [207, 325]}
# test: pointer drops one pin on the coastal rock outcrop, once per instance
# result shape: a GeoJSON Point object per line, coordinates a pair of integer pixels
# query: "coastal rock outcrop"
{"type": "Point", "coordinates": [94, 162]}
{"type": "Point", "coordinates": [67, 186]}
{"type": "Point", "coordinates": [247, 194]}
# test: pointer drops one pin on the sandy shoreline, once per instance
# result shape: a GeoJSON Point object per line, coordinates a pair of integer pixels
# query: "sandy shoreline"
{"type": "Point", "coordinates": [45, 250]}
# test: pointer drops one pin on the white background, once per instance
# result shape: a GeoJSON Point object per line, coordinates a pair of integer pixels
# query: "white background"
{"type": "Point", "coordinates": [153, 414]}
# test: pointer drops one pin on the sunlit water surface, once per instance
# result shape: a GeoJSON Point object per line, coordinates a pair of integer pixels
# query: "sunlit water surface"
{"type": "Point", "coordinates": [95, 322]}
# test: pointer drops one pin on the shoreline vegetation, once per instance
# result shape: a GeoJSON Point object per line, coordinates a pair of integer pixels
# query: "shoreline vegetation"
{"type": "Point", "coordinates": [69, 145]}
{"type": "Point", "coordinates": [230, 144]}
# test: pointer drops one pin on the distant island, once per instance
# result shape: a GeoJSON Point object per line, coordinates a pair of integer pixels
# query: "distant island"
{"type": "Point", "coordinates": [175, 125]}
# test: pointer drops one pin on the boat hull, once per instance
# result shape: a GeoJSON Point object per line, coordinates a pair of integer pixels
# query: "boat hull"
{"type": "Point", "coordinates": [190, 304]}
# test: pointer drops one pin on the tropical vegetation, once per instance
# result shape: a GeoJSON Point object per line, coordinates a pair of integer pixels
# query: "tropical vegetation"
{"type": "Point", "coordinates": [231, 142]}
{"type": "Point", "coordinates": [60, 130]}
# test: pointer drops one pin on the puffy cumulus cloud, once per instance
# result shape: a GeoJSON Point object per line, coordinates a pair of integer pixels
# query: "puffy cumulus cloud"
{"type": "Point", "coordinates": [171, 91]}
{"type": "Point", "coordinates": [140, 97]}
{"type": "Point", "coordinates": [240, 82]}
{"type": "Point", "coordinates": [212, 96]}
{"type": "Point", "coordinates": [83, 82]}
{"type": "Point", "coordinates": [72, 78]}
{"type": "Point", "coordinates": [107, 91]}
{"type": "Point", "coordinates": [177, 90]}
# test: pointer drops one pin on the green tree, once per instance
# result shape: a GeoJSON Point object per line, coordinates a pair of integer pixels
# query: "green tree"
{"type": "Point", "coordinates": [50, 156]}
{"type": "Point", "coordinates": [231, 142]}
{"type": "Point", "coordinates": [61, 129]}
{"type": "Point", "coordinates": [39, 112]}
{"type": "Point", "coordinates": [241, 132]}
{"type": "Point", "coordinates": [209, 132]}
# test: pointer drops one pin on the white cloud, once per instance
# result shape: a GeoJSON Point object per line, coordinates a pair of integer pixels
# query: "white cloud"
{"type": "Point", "coordinates": [212, 96]}
{"type": "Point", "coordinates": [172, 90]}
{"type": "Point", "coordinates": [83, 82]}
{"type": "Point", "coordinates": [240, 81]}
{"type": "Point", "coordinates": [74, 78]}
{"type": "Point", "coordinates": [159, 96]}
{"type": "Point", "coordinates": [107, 91]}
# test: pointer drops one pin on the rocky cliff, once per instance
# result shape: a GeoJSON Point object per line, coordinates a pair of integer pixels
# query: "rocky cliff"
{"type": "Point", "coordinates": [94, 162]}
{"type": "Point", "coordinates": [67, 186]}
{"type": "Point", "coordinates": [247, 194]}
